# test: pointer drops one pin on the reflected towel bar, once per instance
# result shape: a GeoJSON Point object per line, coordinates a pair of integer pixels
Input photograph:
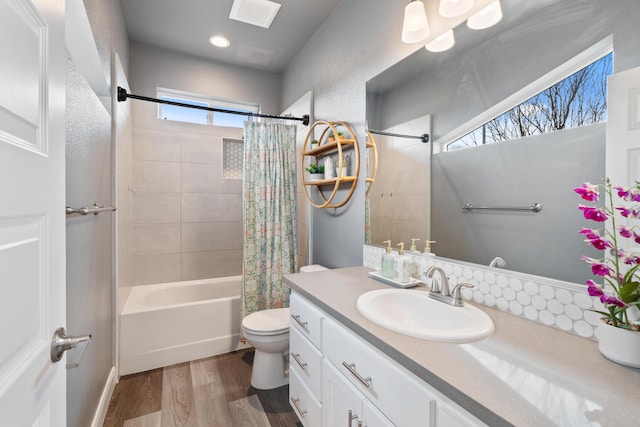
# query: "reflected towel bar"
{"type": "Point", "coordinates": [86, 211]}
{"type": "Point", "coordinates": [424, 137]}
{"type": "Point", "coordinates": [536, 207]}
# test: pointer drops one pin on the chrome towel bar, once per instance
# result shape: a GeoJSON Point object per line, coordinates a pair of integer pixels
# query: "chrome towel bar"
{"type": "Point", "coordinates": [536, 207]}
{"type": "Point", "coordinates": [96, 209]}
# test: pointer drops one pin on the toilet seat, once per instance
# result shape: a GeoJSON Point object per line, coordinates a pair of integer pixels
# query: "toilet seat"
{"type": "Point", "coordinates": [267, 322]}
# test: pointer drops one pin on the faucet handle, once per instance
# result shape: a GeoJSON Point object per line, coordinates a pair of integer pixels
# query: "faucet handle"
{"type": "Point", "coordinates": [435, 286]}
{"type": "Point", "coordinates": [456, 294]}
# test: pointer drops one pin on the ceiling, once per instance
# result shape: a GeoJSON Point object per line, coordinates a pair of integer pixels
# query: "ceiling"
{"type": "Point", "coordinates": [186, 25]}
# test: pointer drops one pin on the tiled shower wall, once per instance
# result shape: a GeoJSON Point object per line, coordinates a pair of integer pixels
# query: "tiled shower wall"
{"type": "Point", "coordinates": [187, 218]}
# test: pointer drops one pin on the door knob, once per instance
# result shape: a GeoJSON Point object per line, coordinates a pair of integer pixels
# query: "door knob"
{"type": "Point", "coordinates": [60, 342]}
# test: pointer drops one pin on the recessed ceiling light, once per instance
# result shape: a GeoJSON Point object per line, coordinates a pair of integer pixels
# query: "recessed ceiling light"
{"type": "Point", "coordinates": [219, 41]}
{"type": "Point", "coordinates": [255, 12]}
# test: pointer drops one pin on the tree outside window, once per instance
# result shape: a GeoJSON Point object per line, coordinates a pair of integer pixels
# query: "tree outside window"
{"type": "Point", "coordinates": [578, 100]}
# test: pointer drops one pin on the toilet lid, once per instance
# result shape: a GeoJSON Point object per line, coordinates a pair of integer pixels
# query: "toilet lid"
{"type": "Point", "coordinates": [267, 322]}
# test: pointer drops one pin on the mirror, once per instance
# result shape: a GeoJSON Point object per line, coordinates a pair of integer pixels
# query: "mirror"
{"type": "Point", "coordinates": [420, 191]}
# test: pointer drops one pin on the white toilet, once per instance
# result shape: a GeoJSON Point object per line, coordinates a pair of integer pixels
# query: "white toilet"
{"type": "Point", "coordinates": [268, 332]}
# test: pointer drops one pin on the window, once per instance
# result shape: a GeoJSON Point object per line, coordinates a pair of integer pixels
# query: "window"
{"type": "Point", "coordinates": [577, 100]}
{"type": "Point", "coordinates": [204, 117]}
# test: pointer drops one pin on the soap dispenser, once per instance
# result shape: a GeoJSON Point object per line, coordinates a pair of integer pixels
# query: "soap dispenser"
{"type": "Point", "coordinates": [388, 261]}
{"type": "Point", "coordinates": [402, 266]}
{"type": "Point", "coordinates": [413, 246]}
{"type": "Point", "coordinates": [427, 247]}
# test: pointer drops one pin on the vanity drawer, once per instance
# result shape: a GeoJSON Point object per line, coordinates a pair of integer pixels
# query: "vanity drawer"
{"type": "Point", "coordinates": [395, 391]}
{"type": "Point", "coordinates": [306, 318]}
{"type": "Point", "coordinates": [308, 410]}
{"type": "Point", "coordinates": [306, 360]}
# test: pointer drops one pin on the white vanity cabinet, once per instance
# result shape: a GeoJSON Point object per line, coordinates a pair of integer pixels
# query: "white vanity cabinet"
{"type": "Point", "coordinates": [305, 361]}
{"type": "Point", "coordinates": [334, 371]}
{"type": "Point", "coordinates": [399, 395]}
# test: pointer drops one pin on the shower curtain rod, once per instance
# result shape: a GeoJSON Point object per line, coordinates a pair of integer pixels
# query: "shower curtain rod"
{"type": "Point", "coordinates": [123, 95]}
{"type": "Point", "coordinates": [424, 137]}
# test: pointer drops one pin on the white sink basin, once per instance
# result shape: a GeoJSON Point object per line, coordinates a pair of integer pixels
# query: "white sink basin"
{"type": "Point", "coordinates": [413, 313]}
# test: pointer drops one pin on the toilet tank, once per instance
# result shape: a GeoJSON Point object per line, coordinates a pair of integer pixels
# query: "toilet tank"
{"type": "Point", "coordinates": [312, 267]}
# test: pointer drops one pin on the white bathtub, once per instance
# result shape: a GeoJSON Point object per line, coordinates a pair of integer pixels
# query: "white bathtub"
{"type": "Point", "coordinates": [169, 323]}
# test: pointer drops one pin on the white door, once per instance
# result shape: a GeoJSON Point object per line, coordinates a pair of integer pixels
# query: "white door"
{"type": "Point", "coordinates": [32, 219]}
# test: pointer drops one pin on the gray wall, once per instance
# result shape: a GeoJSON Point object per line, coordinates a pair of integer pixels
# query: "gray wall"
{"type": "Point", "coordinates": [543, 169]}
{"type": "Point", "coordinates": [89, 178]}
{"type": "Point", "coordinates": [152, 67]}
{"type": "Point", "coordinates": [89, 248]}
{"type": "Point", "coordinates": [109, 31]}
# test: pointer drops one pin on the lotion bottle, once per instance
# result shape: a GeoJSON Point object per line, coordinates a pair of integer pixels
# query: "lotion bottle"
{"type": "Point", "coordinates": [388, 261]}
{"type": "Point", "coordinates": [427, 247]}
{"type": "Point", "coordinates": [403, 266]}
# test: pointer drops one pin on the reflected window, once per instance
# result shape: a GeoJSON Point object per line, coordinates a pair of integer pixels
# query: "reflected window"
{"type": "Point", "coordinates": [204, 117]}
{"type": "Point", "coordinates": [578, 100]}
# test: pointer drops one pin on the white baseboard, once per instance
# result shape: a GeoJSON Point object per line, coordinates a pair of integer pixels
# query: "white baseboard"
{"type": "Point", "coordinates": [105, 398]}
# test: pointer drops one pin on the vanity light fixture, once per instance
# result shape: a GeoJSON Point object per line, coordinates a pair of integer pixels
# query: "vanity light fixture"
{"type": "Point", "coordinates": [453, 8]}
{"type": "Point", "coordinates": [441, 43]}
{"type": "Point", "coordinates": [486, 17]}
{"type": "Point", "coordinates": [219, 41]}
{"type": "Point", "coordinates": [415, 27]}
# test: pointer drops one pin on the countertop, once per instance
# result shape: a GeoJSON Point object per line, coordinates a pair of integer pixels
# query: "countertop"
{"type": "Point", "coordinates": [525, 374]}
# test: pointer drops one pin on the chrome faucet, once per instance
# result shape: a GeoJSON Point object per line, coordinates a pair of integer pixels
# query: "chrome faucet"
{"type": "Point", "coordinates": [444, 294]}
{"type": "Point", "coordinates": [435, 286]}
{"type": "Point", "coordinates": [497, 262]}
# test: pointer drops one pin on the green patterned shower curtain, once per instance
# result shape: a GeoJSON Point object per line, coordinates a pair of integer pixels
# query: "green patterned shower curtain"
{"type": "Point", "coordinates": [270, 247]}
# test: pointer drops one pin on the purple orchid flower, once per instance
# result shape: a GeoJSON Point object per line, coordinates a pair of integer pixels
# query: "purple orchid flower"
{"type": "Point", "coordinates": [628, 212]}
{"type": "Point", "coordinates": [594, 289]}
{"type": "Point", "coordinates": [612, 300]}
{"type": "Point", "coordinates": [636, 237]}
{"type": "Point", "coordinates": [627, 258]}
{"type": "Point", "coordinates": [593, 214]}
{"type": "Point", "coordinates": [597, 267]}
{"type": "Point", "coordinates": [624, 231]}
{"type": "Point", "coordinates": [588, 192]}
{"type": "Point", "coordinates": [599, 243]}
{"type": "Point", "coordinates": [623, 193]}
{"type": "Point", "coordinates": [590, 234]}
{"type": "Point", "coordinates": [628, 194]}
{"type": "Point", "coordinates": [595, 240]}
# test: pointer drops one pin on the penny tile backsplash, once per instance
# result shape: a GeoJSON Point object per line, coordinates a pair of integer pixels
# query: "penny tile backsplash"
{"type": "Point", "coordinates": [555, 303]}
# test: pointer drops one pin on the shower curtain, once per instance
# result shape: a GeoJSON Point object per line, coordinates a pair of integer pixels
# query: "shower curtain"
{"type": "Point", "coordinates": [270, 220]}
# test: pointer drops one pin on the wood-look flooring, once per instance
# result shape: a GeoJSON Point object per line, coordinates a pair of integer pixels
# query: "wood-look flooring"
{"type": "Point", "coordinates": [209, 392]}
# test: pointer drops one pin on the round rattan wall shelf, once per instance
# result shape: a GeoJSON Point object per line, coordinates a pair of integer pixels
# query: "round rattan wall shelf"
{"type": "Point", "coordinates": [331, 143]}
{"type": "Point", "coordinates": [371, 163]}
